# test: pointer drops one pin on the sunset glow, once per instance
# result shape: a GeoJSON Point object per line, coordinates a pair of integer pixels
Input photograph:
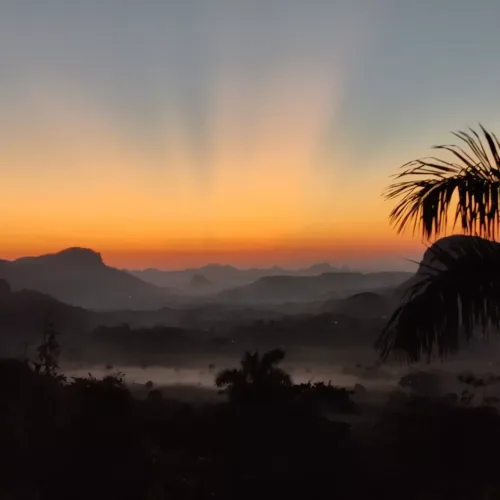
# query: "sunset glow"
{"type": "Point", "coordinates": [236, 139]}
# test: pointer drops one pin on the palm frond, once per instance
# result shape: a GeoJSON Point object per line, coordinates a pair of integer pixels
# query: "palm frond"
{"type": "Point", "coordinates": [228, 377]}
{"type": "Point", "coordinates": [458, 294]}
{"type": "Point", "coordinates": [272, 358]}
{"type": "Point", "coordinates": [426, 188]}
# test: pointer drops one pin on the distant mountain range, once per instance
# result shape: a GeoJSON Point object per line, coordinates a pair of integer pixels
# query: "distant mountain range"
{"type": "Point", "coordinates": [23, 315]}
{"type": "Point", "coordinates": [217, 277]}
{"type": "Point", "coordinates": [78, 276]}
{"type": "Point", "coordinates": [278, 289]}
{"type": "Point", "coordinates": [335, 307]}
{"type": "Point", "coordinates": [77, 292]}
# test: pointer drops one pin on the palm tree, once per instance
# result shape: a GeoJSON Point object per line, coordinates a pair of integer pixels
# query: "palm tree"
{"type": "Point", "coordinates": [256, 379]}
{"type": "Point", "coordinates": [458, 290]}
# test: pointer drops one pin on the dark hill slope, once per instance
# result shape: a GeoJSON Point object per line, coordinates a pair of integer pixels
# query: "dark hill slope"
{"type": "Point", "coordinates": [79, 277]}
{"type": "Point", "coordinates": [309, 288]}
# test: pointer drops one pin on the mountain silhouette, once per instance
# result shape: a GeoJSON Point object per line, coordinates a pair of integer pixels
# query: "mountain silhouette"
{"type": "Point", "coordinates": [224, 277]}
{"type": "Point", "coordinates": [309, 288]}
{"type": "Point", "coordinates": [24, 313]}
{"type": "Point", "coordinates": [447, 244]}
{"type": "Point", "coordinates": [320, 268]}
{"type": "Point", "coordinates": [78, 276]}
{"type": "Point", "coordinates": [199, 280]}
{"type": "Point", "coordinates": [70, 257]}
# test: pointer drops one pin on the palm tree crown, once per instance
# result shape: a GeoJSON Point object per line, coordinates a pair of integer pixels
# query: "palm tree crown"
{"type": "Point", "coordinates": [456, 292]}
{"type": "Point", "coordinates": [258, 376]}
{"type": "Point", "coordinates": [428, 188]}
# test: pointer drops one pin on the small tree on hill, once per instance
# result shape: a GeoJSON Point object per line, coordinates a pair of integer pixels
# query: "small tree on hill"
{"type": "Point", "coordinates": [48, 353]}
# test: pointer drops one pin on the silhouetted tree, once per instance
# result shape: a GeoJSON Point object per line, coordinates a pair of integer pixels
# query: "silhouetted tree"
{"type": "Point", "coordinates": [460, 290]}
{"type": "Point", "coordinates": [258, 378]}
{"type": "Point", "coordinates": [48, 353]}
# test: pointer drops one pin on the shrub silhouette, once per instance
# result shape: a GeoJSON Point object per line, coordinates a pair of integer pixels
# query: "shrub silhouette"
{"type": "Point", "coordinates": [259, 379]}
{"type": "Point", "coordinates": [90, 438]}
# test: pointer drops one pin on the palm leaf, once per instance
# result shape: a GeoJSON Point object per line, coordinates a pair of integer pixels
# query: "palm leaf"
{"type": "Point", "coordinates": [426, 188]}
{"type": "Point", "coordinates": [272, 358]}
{"type": "Point", "coordinates": [457, 295]}
{"type": "Point", "coordinates": [250, 364]}
{"type": "Point", "coordinates": [229, 377]}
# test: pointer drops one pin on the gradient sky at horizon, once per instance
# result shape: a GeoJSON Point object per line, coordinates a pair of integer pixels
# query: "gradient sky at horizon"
{"type": "Point", "coordinates": [176, 133]}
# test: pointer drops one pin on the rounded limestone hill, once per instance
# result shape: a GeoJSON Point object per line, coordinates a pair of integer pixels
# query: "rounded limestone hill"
{"type": "Point", "coordinates": [80, 277]}
{"type": "Point", "coordinates": [437, 257]}
{"type": "Point", "coordinates": [74, 257]}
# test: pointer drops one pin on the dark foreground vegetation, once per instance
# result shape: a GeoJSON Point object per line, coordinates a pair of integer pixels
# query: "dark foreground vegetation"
{"type": "Point", "coordinates": [85, 438]}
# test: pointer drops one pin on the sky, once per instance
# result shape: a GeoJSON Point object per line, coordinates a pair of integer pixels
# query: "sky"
{"type": "Point", "coordinates": [175, 133]}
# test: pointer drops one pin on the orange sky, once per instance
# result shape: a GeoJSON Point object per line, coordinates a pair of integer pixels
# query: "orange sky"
{"type": "Point", "coordinates": [83, 182]}
{"type": "Point", "coordinates": [248, 135]}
